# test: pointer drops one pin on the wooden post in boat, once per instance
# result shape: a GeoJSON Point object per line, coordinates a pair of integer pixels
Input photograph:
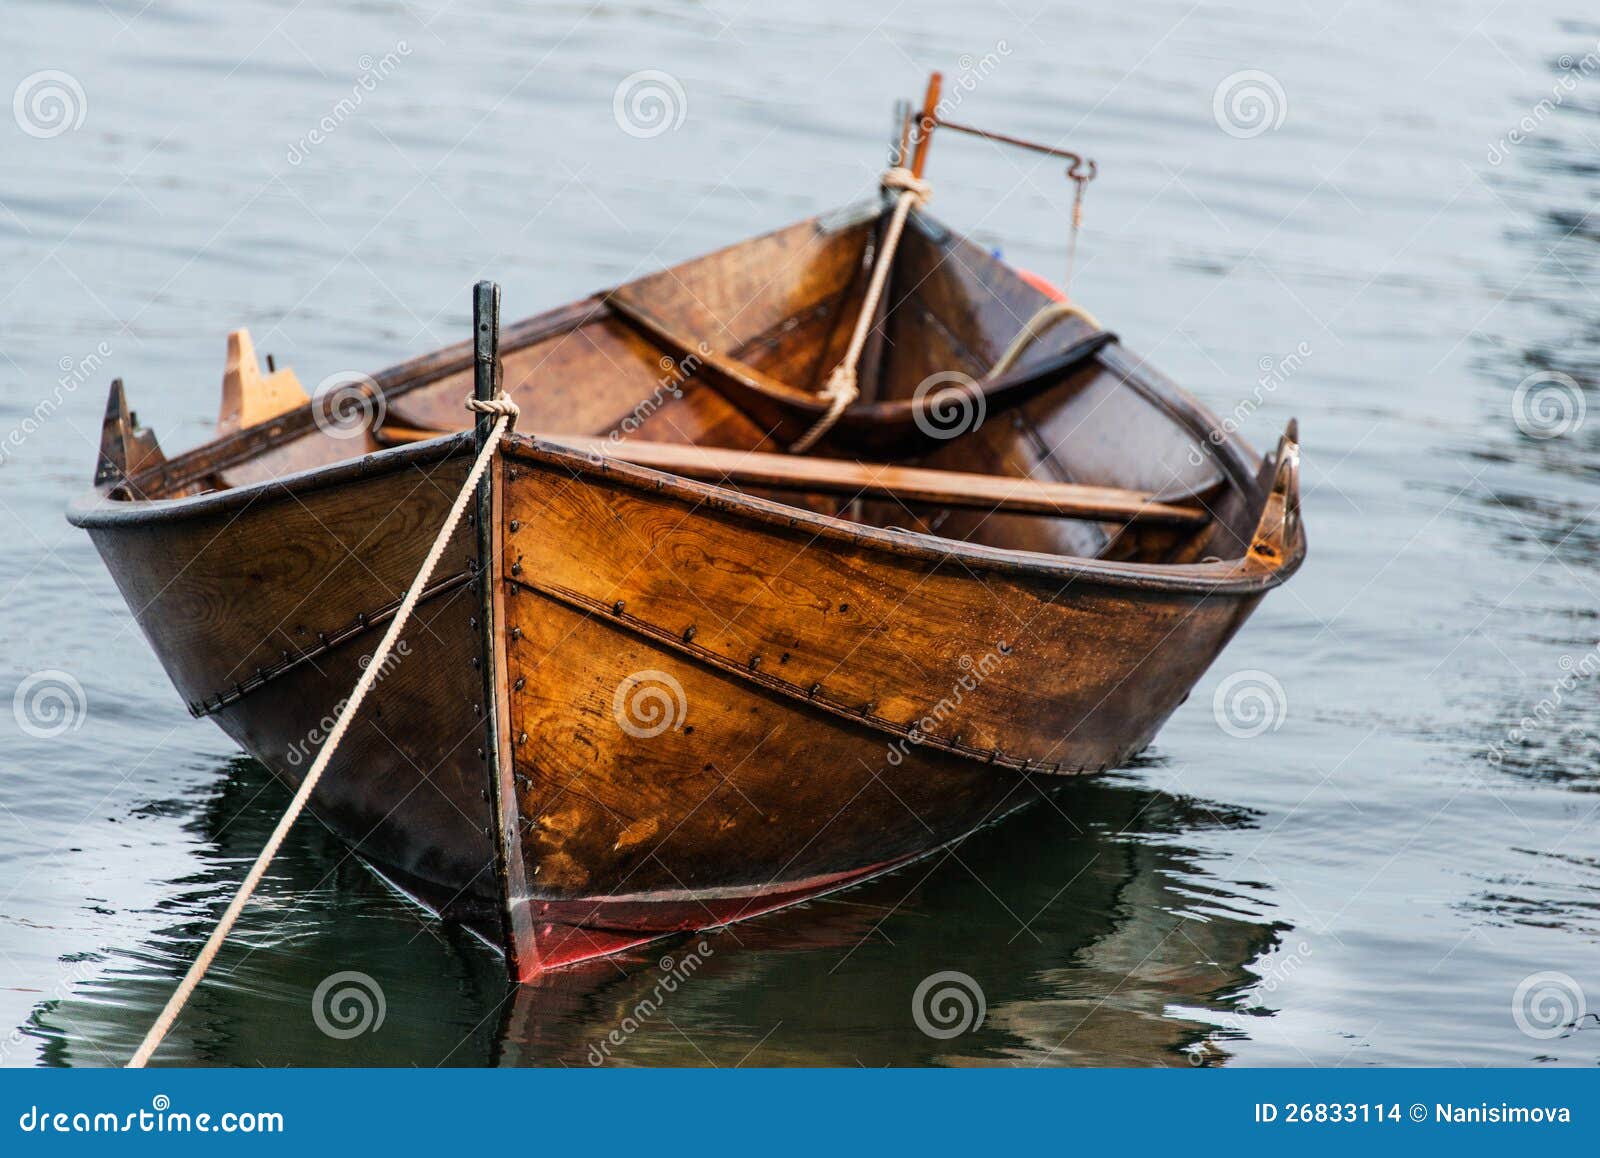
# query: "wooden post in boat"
{"type": "Point", "coordinates": [517, 930]}
{"type": "Point", "coordinates": [126, 448]}
{"type": "Point", "coordinates": [250, 397]}
{"type": "Point", "coordinates": [485, 351]}
{"type": "Point", "coordinates": [900, 136]}
{"type": "Point", "coordinates": [926, 122]}
{"type": "Point", "coordinates": [1277, 528]}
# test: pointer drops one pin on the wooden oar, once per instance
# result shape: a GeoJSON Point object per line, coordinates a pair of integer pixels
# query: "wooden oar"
{"type": "Point", "coordinates": [944, 488]}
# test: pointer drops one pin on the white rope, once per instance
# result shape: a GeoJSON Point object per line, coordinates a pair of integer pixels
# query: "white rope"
{"type": "Point", "coordinates": [1035, 328]}
{"type": "Point", "coordinates": [507, 413]}
{"type": "Point", "coordinates": [498, 405]}
{"type": "Point", "coordinates": [841, 388]}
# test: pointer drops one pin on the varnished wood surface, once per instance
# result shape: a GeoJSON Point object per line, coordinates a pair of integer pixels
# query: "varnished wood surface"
{"type": "Point", "coordinates": [855, 690]}
{"type": "Point", "coordinates": [743, 791]}
{"type": "Point", "coordinates": [877, 634]}
{"type": "Point", "coordinates": [901, 484]}
{"type": "Point", "coordinates": [249, 588]}
{"type": "Point", "coordinates": [707, 707]}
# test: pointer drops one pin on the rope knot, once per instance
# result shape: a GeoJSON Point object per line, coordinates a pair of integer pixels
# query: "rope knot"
{"type": "Point", "coordinates": [840, 390]}
{"type": "Point", "coordinates": [841, 384]}
{"type": "Point", "coordinates": [500, 406]}
{"type": "Point", "coordinates": [906, 181]}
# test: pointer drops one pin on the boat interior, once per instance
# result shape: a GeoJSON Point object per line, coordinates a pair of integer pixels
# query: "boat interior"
{"type": "Point", "coordinates": [713, 368]}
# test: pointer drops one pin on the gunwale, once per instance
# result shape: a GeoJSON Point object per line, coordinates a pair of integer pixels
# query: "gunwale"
{"type": "Point", "coordinates": [1239, 465]}
{"type": "Point", "coordinates": [1240, 576]}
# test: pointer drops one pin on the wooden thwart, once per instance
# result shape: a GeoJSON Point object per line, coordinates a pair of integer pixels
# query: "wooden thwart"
{"type": "Point", "coordinates": [944, 488]}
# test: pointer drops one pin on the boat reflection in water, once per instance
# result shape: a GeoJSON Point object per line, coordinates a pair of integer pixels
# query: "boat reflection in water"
{"type": "Point", "coordinates": [1097, 939]}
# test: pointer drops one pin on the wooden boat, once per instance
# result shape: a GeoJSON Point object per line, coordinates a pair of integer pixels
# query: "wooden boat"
{"type": "Point", "coordinates": [669, 676]}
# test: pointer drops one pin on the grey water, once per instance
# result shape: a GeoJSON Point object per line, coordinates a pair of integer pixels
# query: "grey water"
{"type": "Point", "coordinates": [1369, 838]}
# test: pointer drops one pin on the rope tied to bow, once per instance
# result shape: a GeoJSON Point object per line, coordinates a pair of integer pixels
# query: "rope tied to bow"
{"type": "Point", "coordinates": [506, 413]}
{"type": "Point", "coordinates": [500, 406]}
{"type": "Point", "coordinates": [841, 388]}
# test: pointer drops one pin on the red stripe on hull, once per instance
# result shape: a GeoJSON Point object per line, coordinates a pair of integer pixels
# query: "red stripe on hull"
{"type": "Point", "coordinates": [567, 932]}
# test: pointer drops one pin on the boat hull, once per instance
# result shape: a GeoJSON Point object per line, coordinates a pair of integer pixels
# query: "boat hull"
{"type": "Point", "coordinates": [264, 605]}
{"type": "Point", "coordinates": [719, 705]}
{"type": "Point", "coordinates": [631, 703]}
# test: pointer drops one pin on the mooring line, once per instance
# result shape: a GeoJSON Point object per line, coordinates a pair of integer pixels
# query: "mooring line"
{"type": "Point", "coordinates": [841, 388]}
{"type": "Point", "coordinates": [506, 413]}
